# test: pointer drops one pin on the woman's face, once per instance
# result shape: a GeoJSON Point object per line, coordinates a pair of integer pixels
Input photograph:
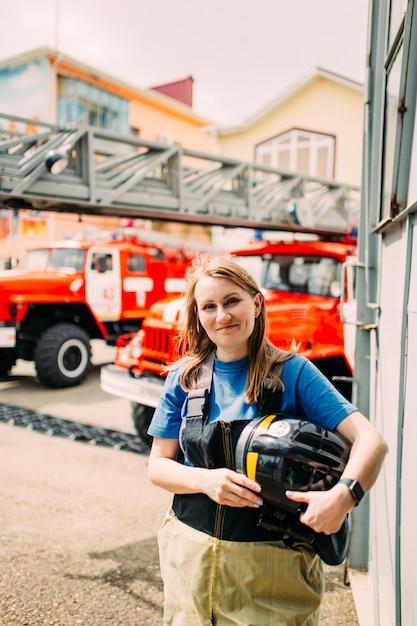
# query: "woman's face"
{"type": "Point", "coordinates": [227, 314]}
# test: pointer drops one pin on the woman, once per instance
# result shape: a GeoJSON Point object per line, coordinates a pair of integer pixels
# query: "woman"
{"type": "Point", "coordinates": [219, 566]}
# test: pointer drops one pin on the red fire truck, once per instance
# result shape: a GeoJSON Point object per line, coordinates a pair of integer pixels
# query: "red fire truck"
{"type": "Point", "coordinates": [309, 296]}
{"type": "Point", "coordinates": [67, 293]}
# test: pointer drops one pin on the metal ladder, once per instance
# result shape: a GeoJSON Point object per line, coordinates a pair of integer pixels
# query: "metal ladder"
{"type": "Point", "coordinates": [125, 176]}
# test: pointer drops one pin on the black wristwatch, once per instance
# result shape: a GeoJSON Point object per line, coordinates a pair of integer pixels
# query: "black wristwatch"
{"type": "Point", "coordinates": [355, 489]}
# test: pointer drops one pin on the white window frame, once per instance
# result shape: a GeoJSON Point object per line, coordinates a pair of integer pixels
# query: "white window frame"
{"type": "Point", "coordinates": [290, 141]}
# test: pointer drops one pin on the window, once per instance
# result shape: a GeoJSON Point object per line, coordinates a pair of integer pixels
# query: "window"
{"type": "Point", "coordinates": [398, 9]}
{"type": "Point", "coordinates": [68, 258]}
{"type": "Point", "coordinates": [101, 262]}
{"type": "Point", "coordinates": [391, 115]}
{"type": "Point", "coordinates": [36, 260]}
{"type": "Point", "coordinates": [400, 66]}
{"type": "Point", "coordinates": [136, 263]}
{"type": "Point", "coordinates": [299, 151]}
{"type": "Point", "coordinates": [43, 259]}
{"type": "Point", "coordinates": [319, 276]}
{"type": "Point", "coordinates": [80, 102]}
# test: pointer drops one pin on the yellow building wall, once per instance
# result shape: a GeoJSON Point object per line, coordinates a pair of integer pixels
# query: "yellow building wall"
{"type": "Point", "coordinates": [324, 107]}
{"type": "Point", "coordinates": [153, 123]}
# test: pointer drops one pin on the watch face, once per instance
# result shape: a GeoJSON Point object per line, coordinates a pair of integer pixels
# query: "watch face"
{"type": "Point", "coordinates": [354, 488]}
{"type": "Point", "coordinates": [357, 490]}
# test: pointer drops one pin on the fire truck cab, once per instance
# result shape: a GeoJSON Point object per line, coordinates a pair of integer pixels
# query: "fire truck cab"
{"type": "Point", "coordinates": [67, 293]}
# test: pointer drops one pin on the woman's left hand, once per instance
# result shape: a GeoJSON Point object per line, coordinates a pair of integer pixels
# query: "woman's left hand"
{"type": "Point", "coordinates": [325, 510]}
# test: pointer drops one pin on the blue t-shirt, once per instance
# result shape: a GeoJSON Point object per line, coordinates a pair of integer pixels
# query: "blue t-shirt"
{"type": "Point", "coordinates": [307, 393]}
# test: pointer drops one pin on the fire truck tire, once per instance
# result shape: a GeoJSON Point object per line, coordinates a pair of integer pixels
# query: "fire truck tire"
{"type": "Point", "coordinates": [142, 416]}
{"type": "Point", "coordinates": [63, 356]}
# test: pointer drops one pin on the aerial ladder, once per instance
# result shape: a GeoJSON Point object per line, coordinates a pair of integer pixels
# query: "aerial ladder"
{"type": "Point", "coordinates": [92, 171]}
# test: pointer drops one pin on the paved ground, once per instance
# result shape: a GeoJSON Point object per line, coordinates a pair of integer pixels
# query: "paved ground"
{"type": "Point", "coordinates": [78, 523]}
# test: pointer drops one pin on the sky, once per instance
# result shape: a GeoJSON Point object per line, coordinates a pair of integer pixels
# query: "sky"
{"type": "Point", "coordinates": [242, 54]}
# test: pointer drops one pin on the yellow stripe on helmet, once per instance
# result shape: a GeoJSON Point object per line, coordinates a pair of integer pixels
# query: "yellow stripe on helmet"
{"type": "Point", "coordinates": [251, 464]}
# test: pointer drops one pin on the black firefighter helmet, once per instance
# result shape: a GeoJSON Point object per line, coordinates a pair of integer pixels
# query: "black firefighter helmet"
{"type": "Point", "coordinates": [283, 453]}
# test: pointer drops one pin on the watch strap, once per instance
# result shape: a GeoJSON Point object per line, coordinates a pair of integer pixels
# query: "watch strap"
{"type": "Point", "coordinates": [355, 489]}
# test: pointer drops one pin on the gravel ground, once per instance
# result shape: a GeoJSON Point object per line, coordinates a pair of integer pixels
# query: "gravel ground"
{"type": "Point", "coordinates": [78, 547]}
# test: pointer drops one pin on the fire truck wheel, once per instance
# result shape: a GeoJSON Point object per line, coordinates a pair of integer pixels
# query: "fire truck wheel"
{"type": "Point", "coordinates": [142, 416]}
{"type": "Point", "coordinates": [63, 356]}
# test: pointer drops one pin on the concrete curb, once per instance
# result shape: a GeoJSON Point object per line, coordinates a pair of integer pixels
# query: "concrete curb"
{"type": "Point", "coordinates": [360, 583]}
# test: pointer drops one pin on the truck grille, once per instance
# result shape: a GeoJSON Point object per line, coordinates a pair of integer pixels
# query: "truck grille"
{"type": "Point", "coordinates": [157, 340]}
{"type": "Point", "coordinates": [298, 314]}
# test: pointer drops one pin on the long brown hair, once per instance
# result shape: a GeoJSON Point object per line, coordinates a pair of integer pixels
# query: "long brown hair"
{"type": "Point", "coordinates": [195, 345]}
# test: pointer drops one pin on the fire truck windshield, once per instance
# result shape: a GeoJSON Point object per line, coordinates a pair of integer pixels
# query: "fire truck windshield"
{"type": "Point", "coordinates": [43, 259]}
{"type": "Point", "coordinates": [319, 276]}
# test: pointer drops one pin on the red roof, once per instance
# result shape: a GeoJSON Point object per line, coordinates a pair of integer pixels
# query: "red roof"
{"type": "Point", "coordinates": [181, 90]}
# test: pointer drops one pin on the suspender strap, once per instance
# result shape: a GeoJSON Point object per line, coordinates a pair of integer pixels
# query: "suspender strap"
{"type": "Point", "coordinates": [198, 399]}
{"type": "Point", "coordinates": [269, 399]}
{"type": "Point", "coordinates": [211, 446]}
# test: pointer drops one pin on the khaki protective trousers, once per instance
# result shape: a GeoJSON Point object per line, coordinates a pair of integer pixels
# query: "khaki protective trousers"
{"type": "Point", "coordinates": [210, 581]}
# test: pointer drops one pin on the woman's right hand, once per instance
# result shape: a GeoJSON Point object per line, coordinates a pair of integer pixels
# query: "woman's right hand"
{"type": "Point", "coordinates": [230, 488]}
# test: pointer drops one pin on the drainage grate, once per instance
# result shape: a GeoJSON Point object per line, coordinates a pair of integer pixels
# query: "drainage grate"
{"type": "Point", "coordinates": [75, 431]}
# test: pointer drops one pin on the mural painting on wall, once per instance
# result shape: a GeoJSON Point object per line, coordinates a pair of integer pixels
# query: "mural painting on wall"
{"type": "Point", "coordinates": [24, 223]}
{"type": "Point", "coordinates": [31, 223]}
{"type": "Point", "coordinates": [5, 223]}
{"type": "Point", "coordinates": [24, 90]}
